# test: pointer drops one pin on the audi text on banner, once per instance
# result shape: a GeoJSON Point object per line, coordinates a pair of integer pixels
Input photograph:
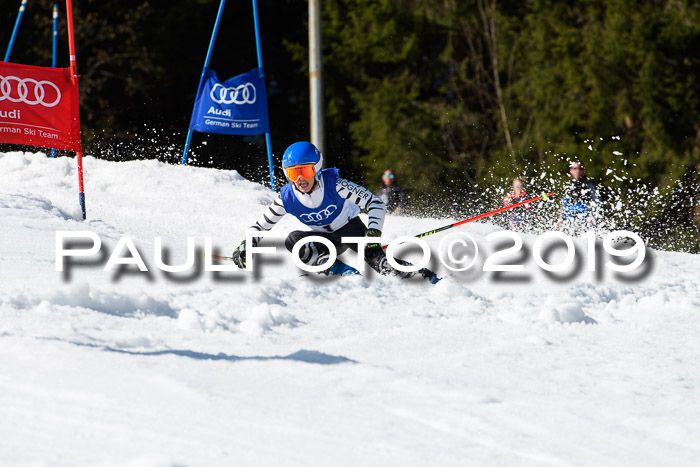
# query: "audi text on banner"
{"type": "Point", "coordinates": [237, 106]}
{"type": "Point", "coordinates": [39, 107]}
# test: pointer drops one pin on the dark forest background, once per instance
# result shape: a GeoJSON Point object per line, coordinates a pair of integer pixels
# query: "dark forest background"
{"type": "Point", "coordinates": [458, 96]}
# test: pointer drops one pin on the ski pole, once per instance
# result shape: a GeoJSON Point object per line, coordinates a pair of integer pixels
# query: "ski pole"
{"type": "Point", "coordinates": [543, 196]}
{"type": "Point", "coordinates": [223, 258]}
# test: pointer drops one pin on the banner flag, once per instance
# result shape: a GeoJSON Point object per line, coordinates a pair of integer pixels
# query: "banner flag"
{"type": "Point", "coordinates": [39, 107]}
{"type": "Point", "coordinates": [237, 106]}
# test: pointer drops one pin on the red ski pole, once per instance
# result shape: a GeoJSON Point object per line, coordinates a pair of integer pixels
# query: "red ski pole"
{"type": "Point", "coordinates": [544, 196]}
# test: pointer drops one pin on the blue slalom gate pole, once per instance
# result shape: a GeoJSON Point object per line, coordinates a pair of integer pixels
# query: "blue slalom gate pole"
{"type": "Point", "coordinates": [55, 35]}
{"type": "Point", "coordinates": [262, 76]}
{"type": "Point", "coordinates": [14, 31]}
{"type": "Point", "coordinates": [206, 65]}
{"type": "Point", "coordinates": [55, 42]}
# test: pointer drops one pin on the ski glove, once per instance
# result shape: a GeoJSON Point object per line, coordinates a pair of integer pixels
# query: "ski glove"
{"type": "Point", "coordinates": [238, 256]}
{"type": "Point", "coordinates": [373, 250]}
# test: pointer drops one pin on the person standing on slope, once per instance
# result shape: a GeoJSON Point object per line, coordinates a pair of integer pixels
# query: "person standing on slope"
{"type": "Point", "coordinates": [517, 217]}
{"type": "Point", "coordinates": [581, 210]}
{"type": "Point", "coordinates": [391, 193]}
{"type": "Point", "coordinates": [329, 206]}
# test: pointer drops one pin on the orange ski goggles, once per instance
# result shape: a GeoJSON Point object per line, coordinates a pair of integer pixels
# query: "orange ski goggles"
{"type": "Point", "coordinates": [307, 171]}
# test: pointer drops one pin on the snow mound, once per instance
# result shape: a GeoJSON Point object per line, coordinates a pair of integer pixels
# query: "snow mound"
{"type": "Point", "coordinates": [149, 369]}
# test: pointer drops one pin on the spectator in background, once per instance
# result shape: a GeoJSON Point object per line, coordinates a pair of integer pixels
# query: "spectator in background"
{"type": "Point", "coordinates": [517, 217]}
{"type": "Point", "coordinates": [391, 193]}
{"type": "Point", "coordinates": [580, 204]}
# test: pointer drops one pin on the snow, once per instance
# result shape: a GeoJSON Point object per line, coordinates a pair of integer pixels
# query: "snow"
{"type": "Point", "coordinates": [126, 368]}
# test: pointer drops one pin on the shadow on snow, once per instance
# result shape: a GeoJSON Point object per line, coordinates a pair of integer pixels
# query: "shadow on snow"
{"type": "Point", "coordinates": [306, 356]}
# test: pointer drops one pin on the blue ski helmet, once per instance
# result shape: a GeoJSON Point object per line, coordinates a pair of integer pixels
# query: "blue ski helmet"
{"type": "Point", "coordinates": [301, 153]}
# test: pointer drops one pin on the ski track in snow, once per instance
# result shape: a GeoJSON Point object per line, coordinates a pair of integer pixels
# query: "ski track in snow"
{"type": "Point", "coordinates": [131, 369]}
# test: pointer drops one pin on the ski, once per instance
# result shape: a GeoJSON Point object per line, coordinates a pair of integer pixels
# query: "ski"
{"type": "Point", "coordinates": [344, 270]}
{"type": "Point", "coordinates": [341, 269]}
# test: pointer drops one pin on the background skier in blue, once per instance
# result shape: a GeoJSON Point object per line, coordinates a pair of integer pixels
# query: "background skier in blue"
{"type": "Point", "coordinates": [580, 203]}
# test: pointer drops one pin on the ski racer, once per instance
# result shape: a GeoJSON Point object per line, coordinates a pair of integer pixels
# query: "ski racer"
{"type": "Point", "coordinates": [329, 206]}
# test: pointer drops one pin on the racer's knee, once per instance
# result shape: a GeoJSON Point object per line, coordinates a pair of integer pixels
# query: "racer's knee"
{"type": "Point", "coordinates": [311, 253]}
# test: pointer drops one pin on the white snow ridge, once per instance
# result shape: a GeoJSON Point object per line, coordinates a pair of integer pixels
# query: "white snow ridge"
{"type": "Point", "coordinates": [131, 368]}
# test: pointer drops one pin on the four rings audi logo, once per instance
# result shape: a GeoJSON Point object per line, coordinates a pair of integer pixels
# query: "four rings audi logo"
{"type": "Point", "coordinates": [319, 216]}
{"type": "Point", "coordinates": [243, 94]}
{"type": "Point", "coordinates": [29, 91]}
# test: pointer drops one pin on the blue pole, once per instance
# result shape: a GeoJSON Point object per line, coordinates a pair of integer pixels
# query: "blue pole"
{"type": "Point", "coordinates": [206, 65]}
{"type": "Point", "coordinates": [262, 76]}
{"type": "Point", "coordinates": [14, 31]}
{"type": "Point", "coordinates": [55, 45]}
{"type": "Point", "coordinates": [55, 35]}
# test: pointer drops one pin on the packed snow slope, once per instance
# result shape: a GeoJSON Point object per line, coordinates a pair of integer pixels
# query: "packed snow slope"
{"type": "Point", "coordinates": [200, 368]}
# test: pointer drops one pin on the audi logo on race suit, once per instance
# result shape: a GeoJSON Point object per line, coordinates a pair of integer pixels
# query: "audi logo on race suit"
{"type": "Point", "coordinates": [243, 94]}
{"type": "Point", "coordinates": [29, 91]}
{"type": "Point", "coordinates": [319, 216]}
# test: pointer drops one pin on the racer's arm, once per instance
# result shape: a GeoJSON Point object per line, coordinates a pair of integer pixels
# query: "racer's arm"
{"type": "Point", "coordinates": [373, 205]}
{"type": "Point", "coordinates": [268, 220]}
{"type": "Point", "coordinates": [270, 217]}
